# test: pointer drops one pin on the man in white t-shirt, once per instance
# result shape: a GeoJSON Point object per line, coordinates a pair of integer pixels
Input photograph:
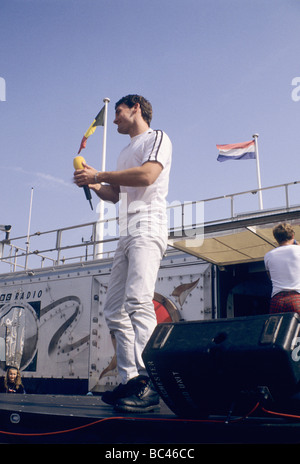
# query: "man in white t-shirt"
{"type": "Point", "coordinates": [283, 266]}
{"type": "Point", "coordinates": [141, 183]}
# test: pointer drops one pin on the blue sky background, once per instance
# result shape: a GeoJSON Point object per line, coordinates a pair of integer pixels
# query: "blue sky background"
{"type": "Point", "coordinates": [216, 71]}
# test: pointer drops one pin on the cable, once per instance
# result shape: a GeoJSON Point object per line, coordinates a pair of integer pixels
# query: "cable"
{"type": "Point", "coordinates": [41, 434]}
{"type": "Point", "coordinates": [247, 415]}
{"type": "Point", "coordinates": [280, 414]}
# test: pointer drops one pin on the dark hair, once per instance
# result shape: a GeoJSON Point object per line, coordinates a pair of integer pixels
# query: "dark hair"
{"type": "Point", "coordinates": [283, 232]}
{"type": "Point", "coordinates": [131, 100]}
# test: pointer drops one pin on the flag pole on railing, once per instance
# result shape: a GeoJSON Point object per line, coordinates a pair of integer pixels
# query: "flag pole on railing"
{"type": "Point", "coordinates": [242, 151]}
{"type": "Point", "coordinates": [28, 230]}
{"type": "Point", "coordinates": [100, 225]}
{"type": "Point", "coordinates": [255, 136]}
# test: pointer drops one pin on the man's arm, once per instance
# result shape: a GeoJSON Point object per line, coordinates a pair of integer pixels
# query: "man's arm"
{"type": "Point", "coordinates": [106, 192]}
{"type": "Point", "coordinates": [140, 176]}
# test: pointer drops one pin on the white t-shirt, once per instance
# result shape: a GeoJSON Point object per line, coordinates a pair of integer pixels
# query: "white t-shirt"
{"type": "Point", "coordinates": [283, 264]}
{"type": "Point", "coordinates": [143, 209]}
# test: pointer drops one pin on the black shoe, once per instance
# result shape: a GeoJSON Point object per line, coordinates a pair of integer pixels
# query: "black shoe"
{"type": "Point", "coordinates": [145, 400]}
{"type": "Point", "coordinates": [123, 390]}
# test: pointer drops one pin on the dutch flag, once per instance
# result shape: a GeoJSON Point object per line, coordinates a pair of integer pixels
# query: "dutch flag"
{"type": "Point", "coordinates": [237, 151]}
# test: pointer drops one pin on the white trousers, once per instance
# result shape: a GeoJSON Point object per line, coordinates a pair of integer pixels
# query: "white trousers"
{"type": "Point", "coordinates": [129, 309]}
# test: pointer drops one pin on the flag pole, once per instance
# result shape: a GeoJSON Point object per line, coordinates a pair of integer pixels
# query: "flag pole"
{"type": "Point", "coordinates": [28, 229]}
{"type": "Point", "coordinates": [255, 136]}
{"type": "Point", "coordinates": [100, 225]}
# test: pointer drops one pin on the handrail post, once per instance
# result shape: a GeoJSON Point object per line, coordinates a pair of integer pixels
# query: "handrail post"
{"type": "Point", "coordinates": [231, 206]}
{"type": "Point", "coordinates": [287, 203]}
{"type": "Point", "coordinates": [95, 245]}
{"type": "Point", "coordinates": [58, 245]}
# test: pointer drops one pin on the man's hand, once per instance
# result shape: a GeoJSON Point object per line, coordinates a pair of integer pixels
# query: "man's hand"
{"type": "Point", "coordinates": [85, 176]}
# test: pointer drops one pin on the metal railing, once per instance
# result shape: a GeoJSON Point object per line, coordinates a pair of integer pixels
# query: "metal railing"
{"type": "Point", "coordinates": [181, 216]}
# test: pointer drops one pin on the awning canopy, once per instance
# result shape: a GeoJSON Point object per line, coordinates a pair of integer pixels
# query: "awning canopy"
{"type": "Point", "coordinates": [232, 245]}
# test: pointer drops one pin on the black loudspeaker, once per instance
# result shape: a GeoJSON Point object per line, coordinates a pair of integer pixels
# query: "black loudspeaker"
{"type": "Point", "coordinates": [207, 367]}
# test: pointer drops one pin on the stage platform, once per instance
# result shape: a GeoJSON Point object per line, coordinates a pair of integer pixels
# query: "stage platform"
{"type": "Point", "coordinates": [49, 419]}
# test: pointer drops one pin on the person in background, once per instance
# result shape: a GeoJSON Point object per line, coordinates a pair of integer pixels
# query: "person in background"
{"type": "Point", "coordinates": [283, 267]}
{"type": "Point", "coordinates": [12, 382]}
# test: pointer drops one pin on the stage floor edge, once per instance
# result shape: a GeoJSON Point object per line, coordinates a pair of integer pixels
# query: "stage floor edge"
{"type": "Point", "coordinates": [71, 419]}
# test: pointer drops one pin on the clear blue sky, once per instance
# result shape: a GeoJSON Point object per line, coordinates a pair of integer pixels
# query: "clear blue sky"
{"type": "Point", "coordinates": [216, 71]}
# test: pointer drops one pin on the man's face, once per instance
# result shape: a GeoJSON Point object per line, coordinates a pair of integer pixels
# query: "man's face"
{"type": "Point", "coordinates": [124, 118]}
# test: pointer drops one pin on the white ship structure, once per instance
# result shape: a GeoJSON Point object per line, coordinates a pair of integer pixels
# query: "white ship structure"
{"type": "Point", "coordinates": [53, 286]}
